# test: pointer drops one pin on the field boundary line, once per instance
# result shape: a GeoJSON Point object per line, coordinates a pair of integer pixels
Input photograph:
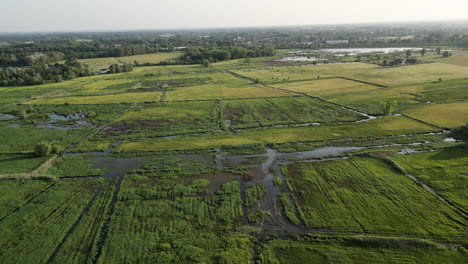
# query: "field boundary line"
{"type": "Point", "coordinates": [423, 122]}
{"type": "Point", "coordinates": [38, 172]}
{"type": "Point", "coordinates": [364, 82]}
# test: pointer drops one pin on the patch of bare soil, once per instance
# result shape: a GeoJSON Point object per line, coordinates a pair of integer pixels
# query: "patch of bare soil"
{"type": "Point", "coordinates": [254, 174]}
{"type": "Point", "coordinates": [217, 179]}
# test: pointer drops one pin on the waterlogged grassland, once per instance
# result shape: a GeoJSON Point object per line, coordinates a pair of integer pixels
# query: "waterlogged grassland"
{"type": "Point", "coordinates": [367, 195]}
{"type": "Point", "coordinates": [444, 115]}
{"type": "Point", "coordinates": [65, 116]}
{"type": "Point", "coordinates": [74, 166]}
{"type": "Point", "coordinates": [391, 125]}
{"type": "Point", "coordinates": [280, 111]}
{"type": "Point", "coordinates": [175, 220]}
{"type": "Point", "coordinates": [389, 76]}
{"type": "Point", "coordinates": [445, 171]}
{"type": "Point", "coordinates": [358, 250]}
{"type": "Point", "coordinates": [19, 163]}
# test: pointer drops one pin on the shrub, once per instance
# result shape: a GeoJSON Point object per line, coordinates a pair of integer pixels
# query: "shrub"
{"type": "Point", "coordinates": [42, 149]}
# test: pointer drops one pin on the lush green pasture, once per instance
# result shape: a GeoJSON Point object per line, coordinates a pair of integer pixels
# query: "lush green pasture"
{"type": "Point", "coordinates": [222, 86]}
{"type": "Point", "coordinates": [444, 115]}
{"type": "Point", "coordinates": [445, 171]}
{"type": "Point", "coordinates": [363, 97]}
{"type": "Point", "coordinates": [103, 99]}
{"type": "Point", "coordinates": [19, 163]}
{"type": "Point", "coordinates": [326, 87]}
{"type": "Point", "coordinates": [166, 119]}
{"type": "Point", "coordinates": [104, 63]}
{"type": "Point", "coordinates": [285, 74]}
{"type": "Point", "coordinates": [280, 111]}
{"type": "Point", "coordinates": [367, 195]}
{"type": "Point", "coordinates": [14, 140]}
{"type": "Point", "coordinates": [151, 57]}
{"type": "Point", "coordinates": [389, 76]}
{"type": "Point", "coordinates": [26, 93]}
{"type": "Point", "coordinates": [459, 57]}
{"type": "Point", "coordinates": [45, 221]}
{"type": "Point", "coordinates": [14, 193]}
{"type": "Point", "coordinates": [212, 92]}
{"type": "Point", "coordinates": [356, 250]}
{"type": "Point", "coordinates": [105, 86]}
{"type": "Point", "coordinates": [391, 125]}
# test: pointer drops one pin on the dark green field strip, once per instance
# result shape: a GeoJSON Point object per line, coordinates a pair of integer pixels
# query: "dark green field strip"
{"type": "Point", "coordinates": [48, 219]}
{"type": "Point", "coordinates": [14, 195]}
{"type": "Point", "coordinates": [80, 245]}
{"type": "Point", "coordinates": [372, 250]}
{"type": "Point", "coordinates": [365, 195]}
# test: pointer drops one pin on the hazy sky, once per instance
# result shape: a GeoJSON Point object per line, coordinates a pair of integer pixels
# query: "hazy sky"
{"type": "Point", "coordinates": [78, 15]}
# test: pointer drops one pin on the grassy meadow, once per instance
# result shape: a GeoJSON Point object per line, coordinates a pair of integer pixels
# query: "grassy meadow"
{"type": "Point", "coordinates": [245, 161]}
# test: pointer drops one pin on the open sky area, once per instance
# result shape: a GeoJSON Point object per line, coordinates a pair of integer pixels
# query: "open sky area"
{"type": "Point", "coordinates": [88, 15]}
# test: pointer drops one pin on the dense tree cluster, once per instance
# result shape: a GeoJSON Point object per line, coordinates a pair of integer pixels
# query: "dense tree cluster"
{"type": "Point", "coordinates": [39, 74]}
{"type": "Point", "coordinates": [216, 53]}
{"type": "Point", "coordinates": [116, 68]}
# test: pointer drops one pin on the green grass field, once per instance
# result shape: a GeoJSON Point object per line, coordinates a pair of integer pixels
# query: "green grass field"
{"type": "Point", "coordinates": [444, 115]}
{"type": "Point", "coordinates": [445, 171]}
{"type": "Point", "coordinates": [19, 163]}
{"type": "Point", "coordinates": [104, 63]}
{"type": "Point", "coordinates": [389, 76]}
{"type": "Point", "coordinates": [182, 164]}
{"type": "Point", "coordinates": [355, 251]}
{"type": "Point", "coordinates": [280, 111]}
{"type": "Point", "coordinates": [367, 195]}
{"type": "Point", "coordinates": [166, 119]}
{"type": "Point", "coordinates": [391, 125]}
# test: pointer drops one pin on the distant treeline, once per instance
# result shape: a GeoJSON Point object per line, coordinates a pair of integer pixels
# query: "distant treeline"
{"type": "Point", "coordinates": [40, 74]}
{"type": "Point", "coordinates": [216, 53]}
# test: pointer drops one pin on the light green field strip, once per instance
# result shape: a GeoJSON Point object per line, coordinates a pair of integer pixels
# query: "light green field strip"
{"type": "Point", "coordinates": [103, 99]}
{"type": "Point", "coordinates": [443, 115]}
{"type": "Point", "coordinates": [391, 125]}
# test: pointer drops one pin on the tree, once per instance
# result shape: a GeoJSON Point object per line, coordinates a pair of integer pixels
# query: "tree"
{"type": "Point", "coordinates": [460, 133]}
{"type": "Point", "coordinates": [423, 52]}
{"type": "Point", "coordinates": [438, 51]}
{"type": "Point", "coordinates": [388, 107]}
{"type": "Point", "coordinates": [446, 54]}
{"type": "Point", "coordinates": [206, 63]}
{"type": "Point", "coordinates": [42, 149]}
{"type": "Point", "coordinates": [408, 53]}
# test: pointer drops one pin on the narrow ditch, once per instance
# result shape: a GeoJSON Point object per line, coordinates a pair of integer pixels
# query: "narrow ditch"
{"type": "Point", "coordinates": [245, 218]}
{"type": "Point", "coordinates": [105, 228]}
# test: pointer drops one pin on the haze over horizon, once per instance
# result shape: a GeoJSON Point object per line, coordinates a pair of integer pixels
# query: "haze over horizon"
{"type": "Point", "coordinates": [88, 15]}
